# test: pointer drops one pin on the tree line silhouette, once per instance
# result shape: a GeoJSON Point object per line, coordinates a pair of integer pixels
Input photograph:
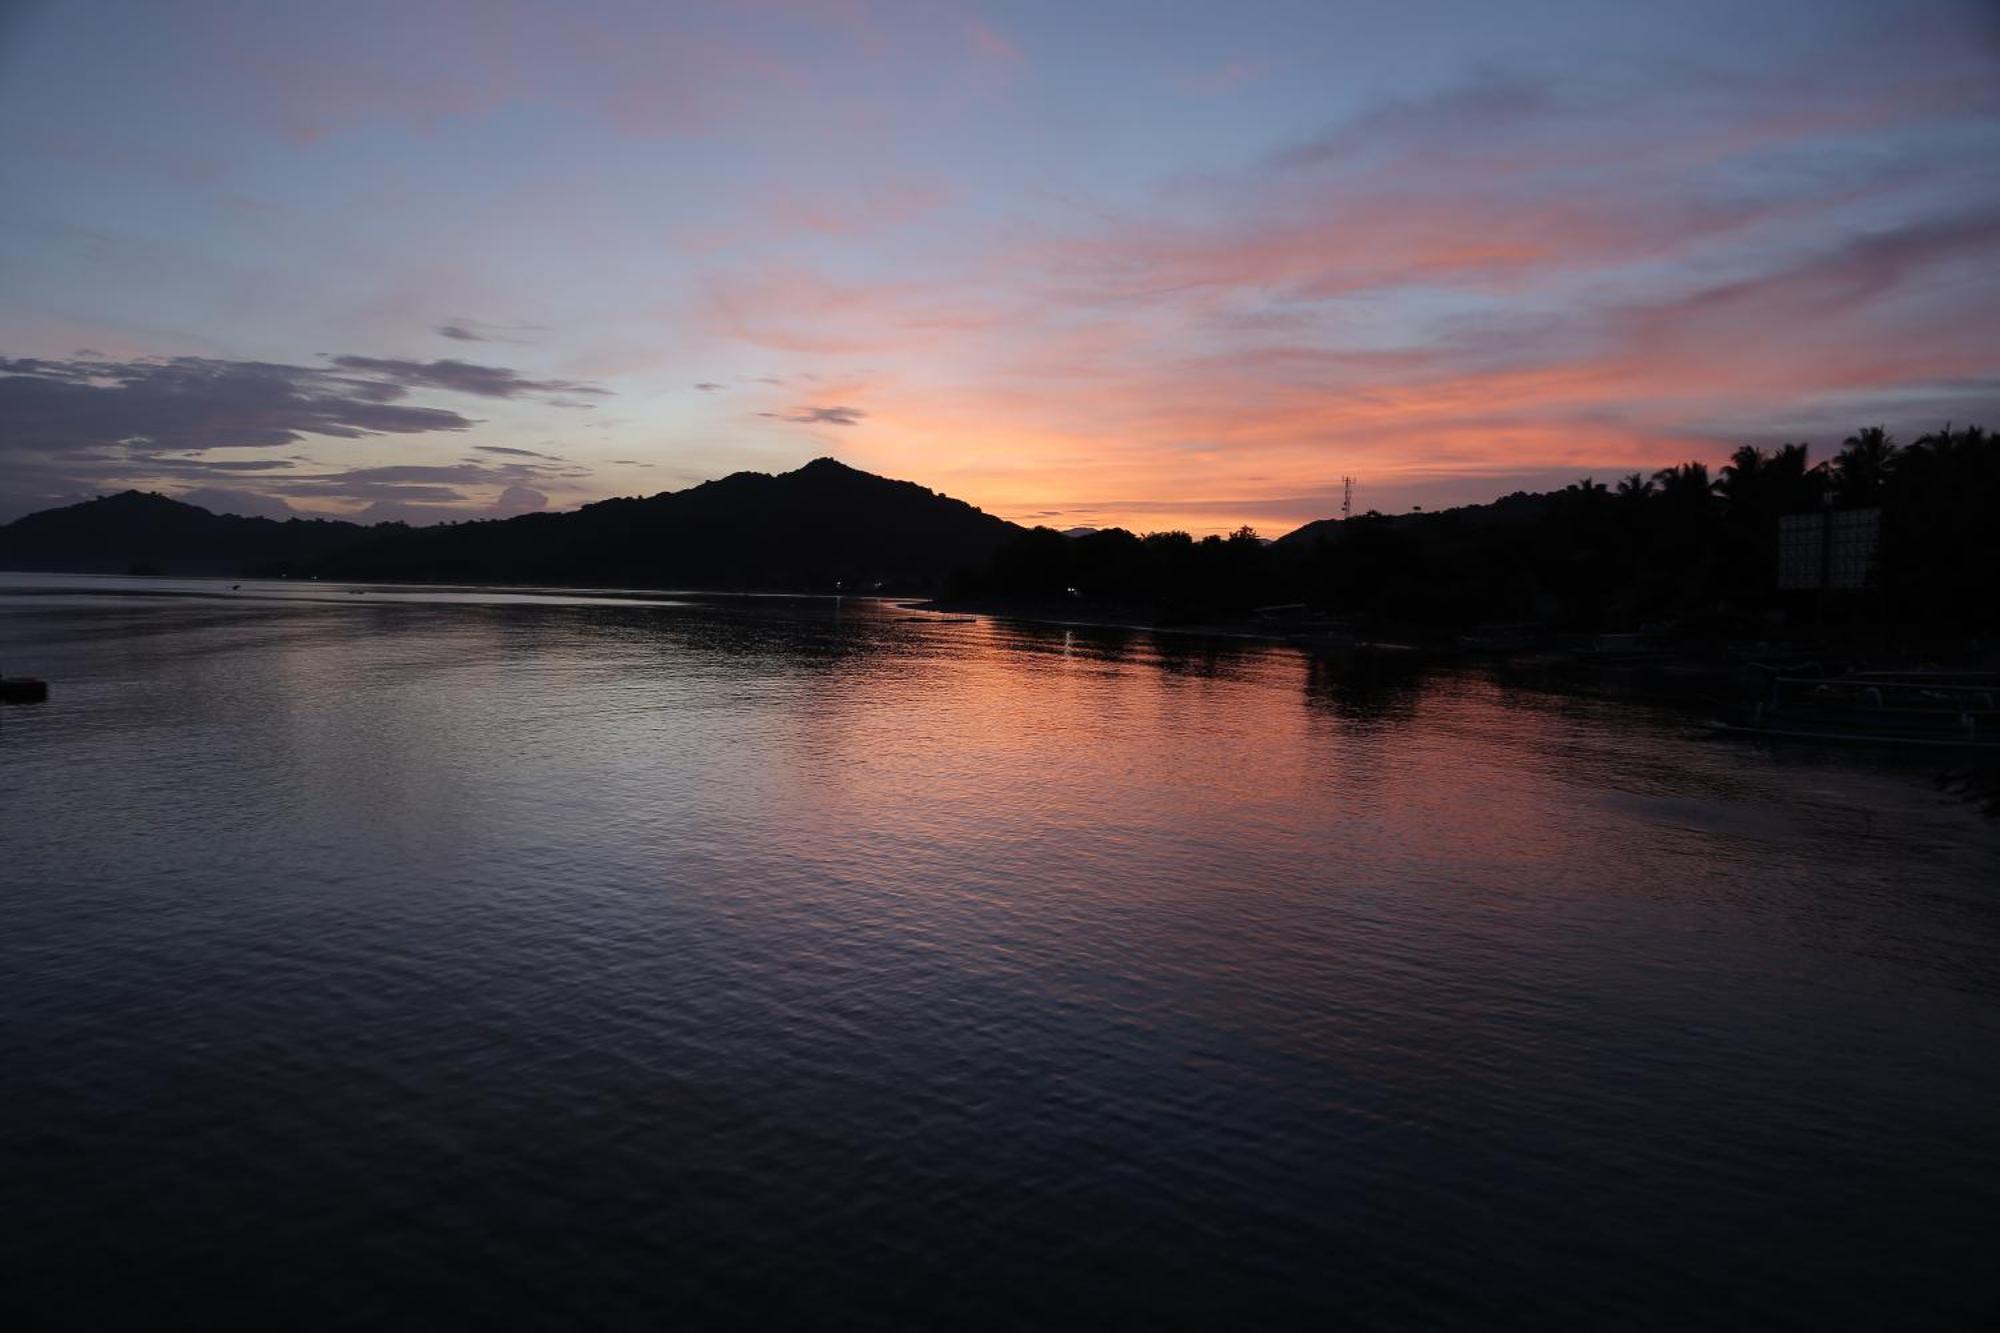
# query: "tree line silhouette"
{"type": "Point", "coordinates": [1680, 546]}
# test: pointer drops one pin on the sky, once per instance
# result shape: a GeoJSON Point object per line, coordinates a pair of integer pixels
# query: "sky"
{"type": "Point", "coordinates": [1084, 262]}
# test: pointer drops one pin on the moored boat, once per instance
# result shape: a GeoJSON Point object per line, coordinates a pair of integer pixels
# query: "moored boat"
{"type": "Point", "coordinates": [22, 690]}
{"type": "Point", "coordinates": [1954, 710]}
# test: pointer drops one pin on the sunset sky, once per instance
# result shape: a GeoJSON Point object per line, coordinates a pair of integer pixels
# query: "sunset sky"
{"type": "Point", "coordinates": [1079, 262]}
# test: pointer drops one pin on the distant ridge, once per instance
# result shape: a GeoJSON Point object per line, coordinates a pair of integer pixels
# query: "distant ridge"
{"type": "Point", "coordinates": [1519, 507]}
{"type": "Point", "coordinates": [815, 528]}
{"type": "Point", "coordinates": [823, 525]}
{"type": "Point", "coordinates": [139, 531]}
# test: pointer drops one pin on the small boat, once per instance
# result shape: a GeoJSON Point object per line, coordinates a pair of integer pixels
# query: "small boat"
{"type": "Point", "coordinates": [1503, 637]}
{"type": "Point", "coordinates": [22, 690]}
{"type": "Point", "coordinates": [1877, 708]}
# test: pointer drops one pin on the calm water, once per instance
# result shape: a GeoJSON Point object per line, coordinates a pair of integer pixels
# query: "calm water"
{"type": "Point", "coordinates": [457, 959]}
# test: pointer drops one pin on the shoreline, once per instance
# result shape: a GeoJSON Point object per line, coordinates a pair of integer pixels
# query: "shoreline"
{"type": "Point", "coordinates": [1325, 635]}
{"type": "Point", "coordinates": [1623, 665]}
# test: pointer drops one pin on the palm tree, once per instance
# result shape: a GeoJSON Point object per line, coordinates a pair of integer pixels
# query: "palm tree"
{"type": "Point", "coordinates": [1638, 486]}
{"type": "Point", "coordinates": [1792, 483]}
{"type": "Point", "coordinates": [1758, 484]}
{"type": "Point", "coordinates": [1949, 443]}
{"type": "Point", "coordinates": [1745, 478]}
{"type": "Point", "coordinates": [1686, 485]}
{"type": "Point", "coordinates": [1862, 467]}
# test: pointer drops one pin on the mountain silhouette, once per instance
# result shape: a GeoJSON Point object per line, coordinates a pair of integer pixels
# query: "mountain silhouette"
{"type": "Point", "coordinates": [145, 532]}
{"type": "Point", "coordinates": [822, 526]}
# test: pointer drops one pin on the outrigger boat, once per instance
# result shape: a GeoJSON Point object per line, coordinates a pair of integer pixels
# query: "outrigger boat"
{"type": "Point", "coordinates": [1953, 710]}
{"type": "Point", "coordinates": [22, 690]}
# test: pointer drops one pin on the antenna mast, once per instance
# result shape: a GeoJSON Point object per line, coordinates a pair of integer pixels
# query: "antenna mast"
{"type": "Point", "coordinates": [1347, 497]}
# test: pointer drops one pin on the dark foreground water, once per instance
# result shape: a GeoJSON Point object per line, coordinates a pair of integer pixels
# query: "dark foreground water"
{"type": "Point", "coordinates": [467, 960]}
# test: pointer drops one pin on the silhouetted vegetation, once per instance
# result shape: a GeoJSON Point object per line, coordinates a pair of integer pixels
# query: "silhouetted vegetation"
{"type": "Point", "coordinates": [1170, 573]}
{"type": "Point", "coordinates": [1680, 546]}
{"type": "Point", "coordinates": [822, 527]}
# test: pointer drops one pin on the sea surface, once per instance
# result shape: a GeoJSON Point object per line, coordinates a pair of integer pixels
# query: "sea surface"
{"type": "Point", "coordinates": [450, 958]}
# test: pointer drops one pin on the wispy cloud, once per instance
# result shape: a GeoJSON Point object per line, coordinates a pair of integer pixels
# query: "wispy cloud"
{"type": "Point", "coordinates": [820, 416]}
{"type": "Point", "coordinates": [513, 452]}
{"type": "Point", "coordinates": [660, 70]}
{"type": "Point", "coordinates": [1481, 285]}
{"type": "Point", "coordinates": [1094, 260]}
{"type": "Point", "coordinates": [477, 331]}
{"type": "Point", "coordinates": [86, 404]}
{"type": "Point", "coordinates": [463, 377]}
{"type": "Point", "coordinates": [990, 44]}
{"type": "Point", "coordinates": [72, 425]}
{"type": "Point", "coordinates": [1222, 78]}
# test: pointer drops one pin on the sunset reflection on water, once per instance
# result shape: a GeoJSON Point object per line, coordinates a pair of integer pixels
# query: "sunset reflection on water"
{"type": "Point", "coordinates": [747, 954]}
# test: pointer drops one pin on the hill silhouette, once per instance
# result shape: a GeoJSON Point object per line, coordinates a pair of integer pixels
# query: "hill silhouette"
{"type": "Point", "coordinates": [145, 532]}
{"type": "Point", "coordinates": [823, 525]}
{"type": "Point", "coordinates": [1519, 507]}
{"type": "Point", "coordinates": [818, 527]}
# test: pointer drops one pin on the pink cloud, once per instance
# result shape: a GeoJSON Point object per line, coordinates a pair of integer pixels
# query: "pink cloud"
{"type": "Point", "coordinates": [856, 206]}
{"type": "Point", "coordinates": [989, 44]}
{"type": "Point", "coordinates": [1105, 410]}
{"type": "Point", "coordinates": [1520, 273]}
{"type": "Point", "coordinates": [665, 70]}
{"type": "Point", "coordinates": [1227, 76]}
